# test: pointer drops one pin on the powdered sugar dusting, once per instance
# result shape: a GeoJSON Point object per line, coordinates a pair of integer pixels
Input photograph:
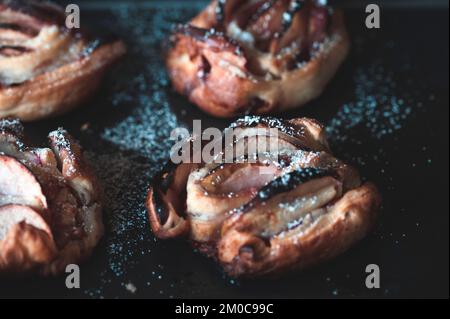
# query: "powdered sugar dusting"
{"type": "Point", "coordinates": [377, 105]}
{"type": "Point", "coordinates": [136, 146]}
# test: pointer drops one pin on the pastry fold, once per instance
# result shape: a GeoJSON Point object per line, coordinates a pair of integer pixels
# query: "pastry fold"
{"type": "Point", "coordinates": [293, 207]}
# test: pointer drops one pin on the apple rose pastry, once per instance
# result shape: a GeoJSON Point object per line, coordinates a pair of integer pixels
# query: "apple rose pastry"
{"type": "Point", "coordinates": [45, 68]}
{"type": "Point", "coordinates": [257, 56]}
{"type": "Point", "coordinates": [260, 215]}
{"type": "Point", "coordinates": [50, 211]}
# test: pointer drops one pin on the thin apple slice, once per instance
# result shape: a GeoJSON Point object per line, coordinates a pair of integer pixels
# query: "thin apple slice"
{"type": "Point", "coordinates": [11, 215]}
{"type": "Point", "coordinates": [19, 186]}
{"type": "Point", "coordinates": [26, 241]}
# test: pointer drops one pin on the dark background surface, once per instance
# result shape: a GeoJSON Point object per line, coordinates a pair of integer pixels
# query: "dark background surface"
{"type": "Point", "coordinates": [386, 112]}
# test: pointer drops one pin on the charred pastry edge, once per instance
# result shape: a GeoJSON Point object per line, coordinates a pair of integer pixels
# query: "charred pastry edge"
{"type": "Point", "coordinates": [49, 259]}
{"type": "Point", "coordinates": [173, 225]}
{"type": "Point", "coordinates": [289, 181]}
{"type": "Point", "coordinates": [58, 91]}
{"type": "Point", "coordinates": [246, 93]}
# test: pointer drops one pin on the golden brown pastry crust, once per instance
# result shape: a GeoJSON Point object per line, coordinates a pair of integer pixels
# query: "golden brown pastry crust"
{"type": "Point", "coordinates": [213, 68]}
{"type": "Point", "coordinates": [304, 208]}
{"type": "Point", "coordinates": [350, 220]}
{"type": "Point", "coordinates": [46, 69]}
{"type": "Point", "coordinates": [67, 226]}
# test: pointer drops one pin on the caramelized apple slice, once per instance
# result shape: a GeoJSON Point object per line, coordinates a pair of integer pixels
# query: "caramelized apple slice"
{"type": "Point", "coordinates": [19, 186]}
{"type": "Point", "coordinates": [11, 215]}
{"type": "Point", "coordinates": [268, 217]}
{"type": "Point", "coordinates": [26, 240]}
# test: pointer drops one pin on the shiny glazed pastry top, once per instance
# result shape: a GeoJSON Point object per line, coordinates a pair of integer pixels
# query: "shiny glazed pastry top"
{"type": "Point", "coordinates": [50, 210]}
{"type": "Point", "coordinates": [257, 56]}
{"type": "Point", "coordinates": [295, 208]}
{"type": "Point", "coordinates": [45, 68]}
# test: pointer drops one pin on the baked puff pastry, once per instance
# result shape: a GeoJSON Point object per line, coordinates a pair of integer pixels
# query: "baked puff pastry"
{"type": "Point", "coordinates": [50, 210]}
{"type": "Point", "coordinates": [257, 56]}
{"type": "Point", "coordinates": [45, 68]}
{"type": "Point", "coordinates": [293, 209]}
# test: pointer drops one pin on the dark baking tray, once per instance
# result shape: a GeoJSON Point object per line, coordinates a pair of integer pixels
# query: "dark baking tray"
{"type": "Point", "coordinates": [386, 112]}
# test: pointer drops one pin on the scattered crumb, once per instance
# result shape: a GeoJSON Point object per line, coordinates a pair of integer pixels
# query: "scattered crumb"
{"type": "Point", "coordinates": [131, 288]}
